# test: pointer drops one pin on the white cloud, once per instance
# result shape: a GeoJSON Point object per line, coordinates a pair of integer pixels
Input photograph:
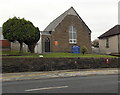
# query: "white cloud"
{"type": "Point", "coordinates": [99, 15]}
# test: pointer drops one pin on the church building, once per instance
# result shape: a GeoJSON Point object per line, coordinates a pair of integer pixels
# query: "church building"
{"type": "Point", "coordinates": [63, 33]}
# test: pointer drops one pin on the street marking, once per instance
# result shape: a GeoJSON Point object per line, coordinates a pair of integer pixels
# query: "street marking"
{"type": "Point", "coordinates": [46, 88]}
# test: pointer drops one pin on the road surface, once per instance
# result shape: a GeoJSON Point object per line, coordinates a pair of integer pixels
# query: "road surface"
{"type": "Point", "coordinates": [86, 84]}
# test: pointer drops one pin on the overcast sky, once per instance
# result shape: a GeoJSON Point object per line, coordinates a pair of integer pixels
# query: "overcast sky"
{"type": "Point", "coordinates": [99, 15]}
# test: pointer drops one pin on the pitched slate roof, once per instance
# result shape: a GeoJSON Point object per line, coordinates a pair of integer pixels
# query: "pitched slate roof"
{"type": "Point", "coordinates": [113, 31]}
{"type": "Point", "coordinates": [55, 23]}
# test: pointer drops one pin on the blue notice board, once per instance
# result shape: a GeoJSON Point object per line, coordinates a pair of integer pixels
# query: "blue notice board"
{"type": "Point", "coordinates": [75, 49]}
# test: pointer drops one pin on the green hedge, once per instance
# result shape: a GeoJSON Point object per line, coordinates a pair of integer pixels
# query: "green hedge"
{"type": "Point", "coordinates": [48, 64]}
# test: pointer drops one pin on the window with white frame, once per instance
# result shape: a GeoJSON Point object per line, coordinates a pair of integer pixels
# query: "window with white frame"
{"type": "Point", "coordinates": [72, 35]}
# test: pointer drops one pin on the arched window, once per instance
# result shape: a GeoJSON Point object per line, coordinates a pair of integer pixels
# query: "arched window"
{"type": "Point", "coordinates": [72, 35]}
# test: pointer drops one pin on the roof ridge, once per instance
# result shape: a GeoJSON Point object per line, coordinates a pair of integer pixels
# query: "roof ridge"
{"type": "Point", "coordinates": [59, 18]}
{"type": "Point", "coordinates": [112, 31]}
{"type": "Point", "coordinates": [55, 23]}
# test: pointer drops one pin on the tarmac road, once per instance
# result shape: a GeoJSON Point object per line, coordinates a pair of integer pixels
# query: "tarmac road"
{"type": "Point", "coordinates": [77, 84]}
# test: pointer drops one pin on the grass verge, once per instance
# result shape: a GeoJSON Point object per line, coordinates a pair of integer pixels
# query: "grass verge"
{"type": "Point", "coordinates": [17, 54]}
{"type": "Point", "coordinates": [56, 55]}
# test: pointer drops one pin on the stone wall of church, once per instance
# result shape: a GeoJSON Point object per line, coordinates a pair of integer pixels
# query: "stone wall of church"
{"type": "Point", "coordinates": [61, 35]}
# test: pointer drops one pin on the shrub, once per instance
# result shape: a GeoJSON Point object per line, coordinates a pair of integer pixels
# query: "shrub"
{"type": "Point", "coordinates": [84, 50]}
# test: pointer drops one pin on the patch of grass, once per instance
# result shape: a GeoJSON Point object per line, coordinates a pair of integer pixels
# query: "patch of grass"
{"type": "Point", "coordinates": [13, 53]}
{"type": "Point", "coordinates": [76, 55]}
{"type": "Point", "coordinates": [31, 56]}
{"type": "Point", "coordinates": [17, 54]}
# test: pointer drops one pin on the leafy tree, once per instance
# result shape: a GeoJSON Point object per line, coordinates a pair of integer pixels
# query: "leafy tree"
{"type": "Point", "coordinates": [95, 43]}
{"type": "Point", "coordinates": [12, 30]}
{"type": "Point", "coordinates": [84, 50]}
{"type": "Point", "coordinates": [33, 36]}
{"type": "Point", "coordinates": [21, 30]}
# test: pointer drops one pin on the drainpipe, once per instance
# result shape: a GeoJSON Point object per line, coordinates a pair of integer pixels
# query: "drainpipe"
{"type": "Point", "coordinates": [118, 44]}
{"type": "Point", "coordinates": [118, 28]}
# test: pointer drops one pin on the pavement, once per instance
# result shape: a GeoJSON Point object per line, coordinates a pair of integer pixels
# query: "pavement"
{"type": "Point", "coordinates": [56, 74]}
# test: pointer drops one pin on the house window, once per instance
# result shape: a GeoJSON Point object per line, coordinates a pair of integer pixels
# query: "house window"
{"type": "Point", "coordinates": [72, 35]}
{"type": "Point", "coordinates": [107, 43]}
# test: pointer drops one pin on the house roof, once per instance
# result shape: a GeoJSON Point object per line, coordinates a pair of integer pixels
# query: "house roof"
{"type": "Point", "coordinates": [45, 32]}
{"type": "Point", "coordinates": [55, 23]}
{"type": "Point", "coordinates": [113, 31]}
